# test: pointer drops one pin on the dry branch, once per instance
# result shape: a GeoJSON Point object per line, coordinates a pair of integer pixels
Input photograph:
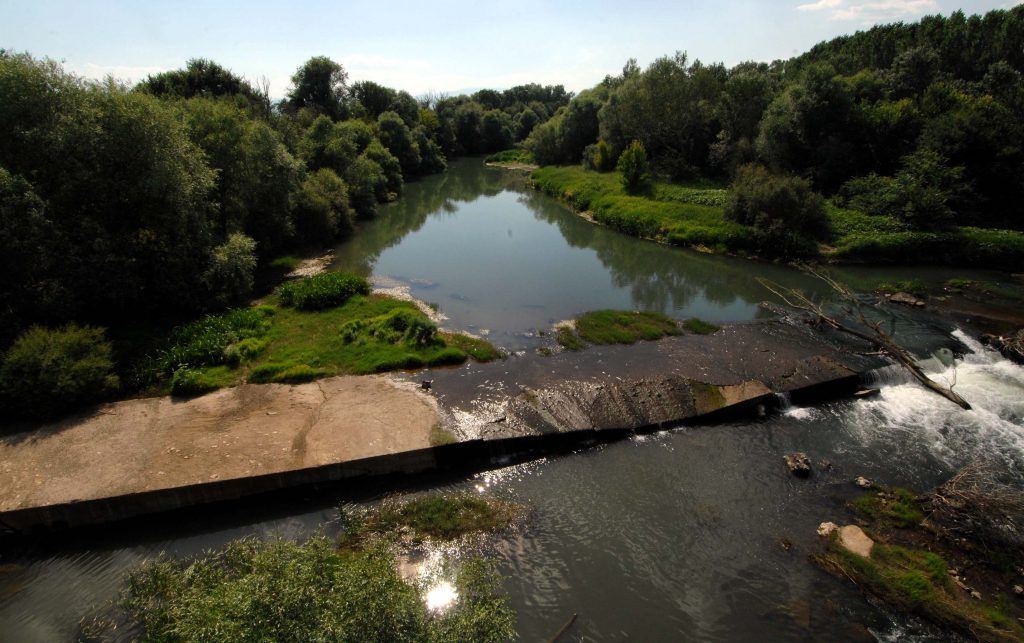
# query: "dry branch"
{"type": "Point", "coordinates": [877, 337]}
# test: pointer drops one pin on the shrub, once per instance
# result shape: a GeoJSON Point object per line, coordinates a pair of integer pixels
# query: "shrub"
{"type": "Point", "coordinates": [48, 371]}
{"type": "Point", "coordinates": [785, 213]}
{"type": "Point", "coordinates": [320, 292]}
{"type": "Point", "coordinates": [321, 209]}
{"type": "Point", "coordinates": [287, 591]}
{"type": "Point", "coordinates": [205, 341]}
{"type": "Point", "coordinates": [232, 268]}
{"type": "Point", "coordinates": [633, 166]}
{"type": "Point", "coordinates": [188, 382]}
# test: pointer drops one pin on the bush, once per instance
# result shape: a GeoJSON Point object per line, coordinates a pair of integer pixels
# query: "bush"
{"type": "Point", "coordinates": [633, 166]}
{"type": "Point", "coordinates": [785, 213]}
{"type": "Point", "coordinates": [321, 209]}
{"type": "Point", "coordinates": [327, 290]}
{"type": "Point", "coordinates": [47, 371]}
{"type": "Point", "coordinates": [188, 382]}
{"type": "Point", "coordinates": [231, 273]}
{"type": "Point", "coordinates": [205, 342]}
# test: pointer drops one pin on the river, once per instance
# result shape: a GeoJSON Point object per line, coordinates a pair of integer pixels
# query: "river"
{"type": "Point", "coordinates": [692, 534]}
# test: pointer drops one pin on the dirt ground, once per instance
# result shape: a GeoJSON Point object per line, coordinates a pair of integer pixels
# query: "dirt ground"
{"type": "Point", "coordinates": [145, 444]}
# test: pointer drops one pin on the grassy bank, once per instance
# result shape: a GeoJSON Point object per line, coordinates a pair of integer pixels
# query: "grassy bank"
{"type": "Point", "coordinates": [332, 326]}
{"type": "Point", "coordinates": [682, 215]}
{"type": "Point", "coordinates": [624, 327]}
{"type": "Point", "coordinates": [913, 568]}
{"type": "Point", "coordinates": [692, 215]}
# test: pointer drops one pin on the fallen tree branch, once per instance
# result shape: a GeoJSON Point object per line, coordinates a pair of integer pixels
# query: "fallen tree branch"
{"type": "Point", "coordinates": [877, 337]}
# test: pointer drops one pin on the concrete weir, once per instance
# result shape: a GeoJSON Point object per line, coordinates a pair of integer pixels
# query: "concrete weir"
{"type": "Point", "coordinates": [139, 457]}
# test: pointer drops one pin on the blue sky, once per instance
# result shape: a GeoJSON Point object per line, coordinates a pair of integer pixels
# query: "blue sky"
{"type": "Point", "coordinates": [436, 46]}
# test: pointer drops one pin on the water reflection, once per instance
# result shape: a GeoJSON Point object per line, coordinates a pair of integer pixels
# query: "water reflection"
{"type": "Point", "coordinates": [500, 258]}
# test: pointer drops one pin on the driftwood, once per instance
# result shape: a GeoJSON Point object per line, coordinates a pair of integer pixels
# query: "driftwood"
{"type": "Point", "coordinates": [975, 505]}
{"type": "Point", "coordinates": [565, 628]}
{"type": "Point", "coordinates": [874, 334]}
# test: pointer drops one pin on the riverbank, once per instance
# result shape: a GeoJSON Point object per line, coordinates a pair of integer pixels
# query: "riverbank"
{"type": "Point", "coordinates": [693, 216]}
{"type": "Point", "coordinates": [142, 456]}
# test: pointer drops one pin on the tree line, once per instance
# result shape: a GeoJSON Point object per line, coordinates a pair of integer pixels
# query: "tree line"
{"type": "Point", "coordinates": [120, 204]}
{"type": "Point", "coordinates": [923, 122]}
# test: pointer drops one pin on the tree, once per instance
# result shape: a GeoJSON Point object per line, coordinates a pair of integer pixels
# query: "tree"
{"type": "Point", "coordinates": [319, 85]}
{"type": "Point", "coordinates": [204, 78]}
{"type": "Point", "coordinates": [786, 214]}
{"type": "Point", "coordinates": [321, 209]}
{"type": "Point", "coordinates": [231, 274]}
{"type": "Point", "coordinates": [396, 137]}
{"type": "Point", "coordinates": [633, 166]}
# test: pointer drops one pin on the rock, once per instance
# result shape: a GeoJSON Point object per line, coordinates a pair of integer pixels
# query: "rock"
{"type": "Point", "coordinates": [976, 595]}
{"type": "Point", "coordinates": [426, 384]}
{"type": "Point", "coordinates": [855, 541]}
{"type": "Point", "coordinates": [906, 299]}
{"type": "Point", "coordinates": [1018, 590]}
{"type": "Point", "coordinates": [826, 529]}
{"type": "Point", "coordinates": [798, 464]}
{"type": "Point", "coordinates": [865, 393]}
{"type": "Point", "coordinates": [863, 482]}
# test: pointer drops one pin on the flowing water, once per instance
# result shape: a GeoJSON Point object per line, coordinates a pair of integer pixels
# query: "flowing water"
{"type": "Point", "coordinates": [692, 534]}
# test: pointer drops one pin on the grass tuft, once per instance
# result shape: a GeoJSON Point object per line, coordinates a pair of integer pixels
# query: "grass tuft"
{"type": "Point", "coordinates": [621, 327]}
{"type": "Point", "coordinates": [700, 327]}
{"type": "Point", "coordinates": [323, 291]}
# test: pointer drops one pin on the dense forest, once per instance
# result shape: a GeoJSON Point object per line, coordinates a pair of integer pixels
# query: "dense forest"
{"type": "Point", "coordinates": [124, 204]}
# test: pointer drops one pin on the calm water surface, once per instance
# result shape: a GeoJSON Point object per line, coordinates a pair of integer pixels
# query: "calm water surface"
{"type": "Point", "coordinates": [693, 534]}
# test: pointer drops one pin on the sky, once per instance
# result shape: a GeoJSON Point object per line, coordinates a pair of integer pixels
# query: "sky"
{"type": "Point", "coordinates": [439, 45]}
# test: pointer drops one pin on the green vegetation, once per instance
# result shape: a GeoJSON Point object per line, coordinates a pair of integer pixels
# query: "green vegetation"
{"type": "Point", "coordinates": [897, 507]}
{"type": "Point", "coordinates": [189, 382]}
{"type": "Point", "coordinates": [479, 349]}
{"type": "Point", "coordinates": [286, 591]}
{"type": "Point", "coordinates": [46, 372]}
{"type": "Point", "coordinates": [322, 291]}
{"type": "Point", "coordinates": [787, 216]}
{"type": "Point", "coordinates": [568, 339]}
{"type": "Point", "coordinates": [518, 156]}
{"type": "Point", "coordinates": [915, 287]}
{"type": "Point", "coordinates": [621, 327]}
{"type": "Point", "coordinates": [285, 262]}
{"type": "Point", "coordinates": [678, 215]}
{"type": "Point", "coordinates": [437, 517]}
{"type": "Point", "coordinates": [699, 326]}
{"type": "Point", "coordinates": [208, 341]}
{"type": "Point", "coordinates": [632, 165]}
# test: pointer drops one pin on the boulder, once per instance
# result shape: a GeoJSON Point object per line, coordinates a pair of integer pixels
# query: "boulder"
{"type": "Point", "coordinates": [854, 540]}
{"type": "Point", "coordinates": [798, 464]}
{"type": "Point", "coordinates": [906, 299]}
{"type": "Point", "coordinates": [826, 529]}
{"type": "Point", "coordinates": [863, 482]}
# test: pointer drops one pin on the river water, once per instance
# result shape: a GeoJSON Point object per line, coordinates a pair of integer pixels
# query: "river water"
{"type": "Point", "coordinates": [692, 534]}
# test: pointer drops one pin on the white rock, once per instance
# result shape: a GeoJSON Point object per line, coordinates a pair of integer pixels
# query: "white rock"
{"type": "Point", "coordinates": [825, 529]}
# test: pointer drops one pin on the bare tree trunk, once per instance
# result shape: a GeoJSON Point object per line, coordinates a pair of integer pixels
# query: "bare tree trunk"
{"type": "Point", "coordinates": [875, 336]}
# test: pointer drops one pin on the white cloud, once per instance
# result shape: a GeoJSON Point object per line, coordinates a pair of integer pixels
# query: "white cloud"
{"type": "Point", "coordinates": [871, 11]}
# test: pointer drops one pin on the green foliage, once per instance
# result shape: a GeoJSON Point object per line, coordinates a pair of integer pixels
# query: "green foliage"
{"type": "Point", "coordinates": [284, 373]}
{"type": "Point", "coordinates": [785, 213]}
{"type": "Point", "coordinates": [319, 85]}
{"type": "Point", "coordinates": [366, 181]}
{"type": "Point", "coordinates": [599, 157]}
{"type": "Point", "coordinates": [621, 327]}
{"type": "Point", "coordinates": [895, 506]}
{"type": "Point", "coordinates": [397, 138]}
{"type": "Point", "coordinates": [206, 341]}
{"type": "Point", "coordinates": [915, 287]}
{"type": "Point", "coordinates": [568, 339]}
{"type": "Point", "coordinates": [49, 371]}
{"type": "Point", "coordinates": [633, 167]}
{"type": "Point", "coordinates": [397, 326]}
{"type": "Point", "coordinates": [699, 326]}
{"type": "Point", "coordinates": [204, 78]}
{"type": "Point", "coordinates": [512, 156]}
{"type": "Point", "coordinates": [231, 274]}
{"type": "Point", "coordinates": [479, 349]}
{"type": "Point", "coordinates": [440, 517]}
{"type": "Point", "coordinates": [322, 291]}
{"type": "Point", "coordinates": [391, 168]}
{"type": "Point", "coordinates": [287, 591]}
{"type": "Point", "coordinates": [679, 215]}
{"type": "Point", "coordinates": [321, 209]}
{"type": "Point", "coordinates": [190, 382]}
